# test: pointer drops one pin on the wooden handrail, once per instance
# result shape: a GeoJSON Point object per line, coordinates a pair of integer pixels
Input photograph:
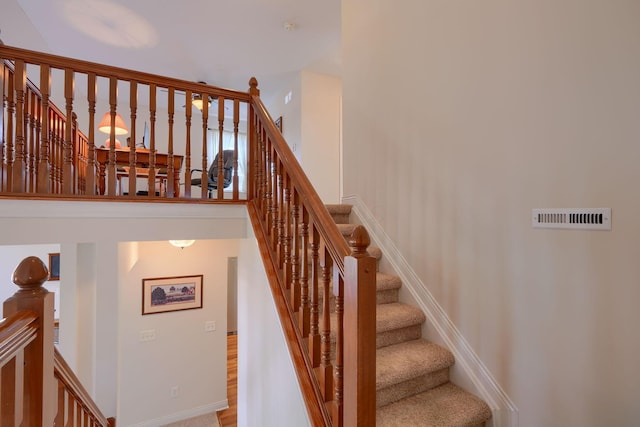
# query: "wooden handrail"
{"type": "Point", "coordinates": [73, 386]}
{"type": "Point", "coordinates": [317, 210]}
{"type": "Point", "coordinates": [16, 332]}
{"type": "Point", "coordinates": [102, 70]}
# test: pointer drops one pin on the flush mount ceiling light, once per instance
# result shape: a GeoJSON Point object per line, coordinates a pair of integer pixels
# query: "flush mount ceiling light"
{"type": "Point", "coordinates": [289, 26]}
{"type": "Point", "coordinates": [182, 243]}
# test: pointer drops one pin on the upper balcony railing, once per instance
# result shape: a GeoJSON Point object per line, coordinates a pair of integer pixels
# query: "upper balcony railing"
{"type": "Point", "coordinates": [64, 127]}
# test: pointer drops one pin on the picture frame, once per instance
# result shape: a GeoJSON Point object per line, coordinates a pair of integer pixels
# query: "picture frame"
{"type": "Point", "coordinates": [278, 123]}
{"type": "Point", "coordinates": [54, 266]}
{"type": "Point", "coordinates": [166, 294]}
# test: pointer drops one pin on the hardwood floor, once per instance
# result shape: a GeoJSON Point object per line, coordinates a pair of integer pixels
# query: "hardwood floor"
{"type": "Point", "coordinates": [229, 417]}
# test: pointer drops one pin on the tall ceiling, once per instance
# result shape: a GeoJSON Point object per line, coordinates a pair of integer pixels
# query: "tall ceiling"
{"type": "Point", "coordinates": [223, 43]}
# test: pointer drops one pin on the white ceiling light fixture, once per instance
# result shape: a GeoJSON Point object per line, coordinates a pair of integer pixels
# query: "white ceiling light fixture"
{"type": "Point", "coordinates": [182, 243]}
{"type": "Point", "coordinates": [289, 26]}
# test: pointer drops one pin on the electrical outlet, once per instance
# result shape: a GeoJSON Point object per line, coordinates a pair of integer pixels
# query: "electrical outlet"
{"type": "Point", "coordinates": [147, 335]}
{"type": "Point", "coordinates": [175, 391]}
{"type": "Point", "coordinates": [210, 326]}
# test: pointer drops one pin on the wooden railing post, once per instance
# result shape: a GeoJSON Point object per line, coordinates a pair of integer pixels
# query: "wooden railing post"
{"type": "Point", "coordinates": [359, 332]}
{"type": "Point", "coordinates": [39, 385]}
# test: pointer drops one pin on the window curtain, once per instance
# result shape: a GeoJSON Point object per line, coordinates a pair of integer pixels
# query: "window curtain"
{"type": "Point", "coordinates": [228, 143]}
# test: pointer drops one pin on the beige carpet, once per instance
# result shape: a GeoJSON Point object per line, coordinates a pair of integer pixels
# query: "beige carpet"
{"type": "Point", "coordinates": [206, 420]}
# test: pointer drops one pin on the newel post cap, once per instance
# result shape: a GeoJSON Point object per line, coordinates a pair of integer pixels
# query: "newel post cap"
{"type": "Point", "coordinates": [30, 274]}
{"type": "Point", "coordinates": [359, 241]}
{"type": "Point", "coordinates": [253, 86]}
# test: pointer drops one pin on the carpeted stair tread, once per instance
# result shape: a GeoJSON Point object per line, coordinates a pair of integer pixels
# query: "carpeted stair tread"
{"type": "Point", "coordinates": [443, 406]}
{"type": "Point", "coordinates": [397, 315]}
{"type": "Point", "coordinates": [339, 213]}
{"type": "Point", "coordinates": [408, 360]}
{"type": "Point", "coordinates": [386, 282]}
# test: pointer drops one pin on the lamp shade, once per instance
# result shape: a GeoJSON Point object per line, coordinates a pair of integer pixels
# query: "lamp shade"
{"type": "Point", "coordinates": [198, 102]}
{"type": "Point", "coordinates": [105, 125]}
{"type": "Point", "coordinates": [181, 243]}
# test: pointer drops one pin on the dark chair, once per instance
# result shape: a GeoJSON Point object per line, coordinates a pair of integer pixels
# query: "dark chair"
{"type": "Point", "coordinates": [212, 174]}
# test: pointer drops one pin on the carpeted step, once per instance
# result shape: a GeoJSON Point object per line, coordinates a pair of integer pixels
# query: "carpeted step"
{"type": "Point", "coordinates": [397, 322]}
{"type": "Point", "coordinates": [409, 368]}
{"type": "Point", "coordinates": [339, 213]}
{"type": "Point", "coordinates": [443, 406]}
{"type": "Point", "coordinates": [387, 287]}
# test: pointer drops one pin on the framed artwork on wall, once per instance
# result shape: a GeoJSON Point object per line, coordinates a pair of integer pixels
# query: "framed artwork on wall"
{"type": "Point", "coordinates": [54, 266]}
{"type": "Point", "coordinates": [164, 294]}
{"type": "Point", "coordinates": [279, 123]}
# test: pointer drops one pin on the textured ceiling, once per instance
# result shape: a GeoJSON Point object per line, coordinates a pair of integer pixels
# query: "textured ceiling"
{"type": "Point", "coordinates": [221, 42]}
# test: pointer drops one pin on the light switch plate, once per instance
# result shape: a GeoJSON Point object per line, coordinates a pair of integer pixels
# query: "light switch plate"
{"type": "Point", "coordinates": [210, 326]}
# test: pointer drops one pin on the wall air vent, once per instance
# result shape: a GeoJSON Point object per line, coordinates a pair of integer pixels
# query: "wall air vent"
{"type": "Point", "coordinates": [578, 218]}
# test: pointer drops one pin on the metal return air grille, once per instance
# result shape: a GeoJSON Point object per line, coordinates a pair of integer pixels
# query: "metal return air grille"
{"type": "Point", "coordinates": [578, 218]}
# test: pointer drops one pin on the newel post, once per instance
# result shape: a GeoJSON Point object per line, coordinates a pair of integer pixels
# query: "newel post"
{"type": "Point", "coordinates": [359, 332]}
{"type": "Point", "coordinates": [39, 385]}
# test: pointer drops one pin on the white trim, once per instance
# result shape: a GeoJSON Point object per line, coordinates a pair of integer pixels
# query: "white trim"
{"type": "Point", "coordinates": [183, 415]}
{"type": "Point", "coordinates": [505, 413]}
{"type": "Point", "coordinates": [18, 208]}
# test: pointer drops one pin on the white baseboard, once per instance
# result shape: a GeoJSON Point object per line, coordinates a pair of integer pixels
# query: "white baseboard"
{"type": "Point", "coordinates": [505, 413]}
{"type": "Point", "coordinates": [183, 415]}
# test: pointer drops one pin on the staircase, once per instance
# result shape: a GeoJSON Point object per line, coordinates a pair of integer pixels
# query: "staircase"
{"type": "Point", "coordinates": [412, 374]}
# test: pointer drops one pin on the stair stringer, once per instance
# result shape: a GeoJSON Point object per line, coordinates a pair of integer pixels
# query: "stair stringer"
{"type": "Point", "coordinates": [468, 371]}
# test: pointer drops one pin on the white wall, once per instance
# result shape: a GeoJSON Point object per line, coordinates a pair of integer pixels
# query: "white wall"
{"type": "Point", "coordinates": [312, 128]}
{"type": "Point", "coordinates": [183, 354]}
{"type": "Point", "coordinates": [459, 118]}
{"type": "Point", "coordinates": [268, 390]}
{"type": "Point", "coordinates": [90, 233]}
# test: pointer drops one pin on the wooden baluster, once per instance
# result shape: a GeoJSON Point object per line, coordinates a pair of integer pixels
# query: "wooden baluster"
{"type": "Point", "coordinates": [280, 214]}
{"type": "Point", "coordinates": [133, 106]}
{"type": "Point", "coordinates": [253, 186]}
{"type": "Point", "coordinates": [236, 121]}
{"type": "Point", "coordinates": [338, 408]}
{"type": "Point", "coordinates": [11, 391]}
{"type": "Point", "coordinates": [111, 165]}
{"type": "Point", "coordinates": [36, 141]}
{"type": "Point", "coordinates": [75, 154]}
{"type": "Point", "coordinates": [3, 106]}
{"type": "Point", "coordinates": [304, 315]}
{"type": "Point", "coordinates": [314, 329]}
{"type": "Point", "coordinates": [44, 168]}
{"type": "Point", "coordinates": [296, 255]}
{"type": "Point", "coordinates": [31, 273]}
{"type": "Point", "coordinates": [268, 191]}
{"type": "Point", "coordinates": [31, 162]}
{"type": "Point", "coordinates": [286, 229]}
{"type": "Point", "coordinates": [187, 160]}
{"type": "Point", "coordinates": [92, 89]}
{"type": "Point", "coordinates": [152, 143]}
{"type": "Point", "coordinates": [55, 158]}
{"type": "Point", "coordinates": [71, 411]}
{"type": "Point", "coordinates": [170, 192]}
{"type": "Point", "coordinates": [59, 421]}
{"type": "Point", "coordinates": [10, 93]}
{"type": "Point", "coordinates": [204, 192]}
{"type": "Point", "coordinates": [20, 81]}
{"type": "Point", "coordinates": [360, 332]}
{"type": "Point", "coordinates": [326, 369]}
{"type": "Point", "coordinates": [220, 178]}
{"type": "Point", "coordinates": [67, 168]}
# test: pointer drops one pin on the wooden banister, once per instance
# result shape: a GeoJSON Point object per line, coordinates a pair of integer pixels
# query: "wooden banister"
{"type": "Point", "coordinates": [38, 388]}
{"type": "Point", "coordinates": [324, 287]}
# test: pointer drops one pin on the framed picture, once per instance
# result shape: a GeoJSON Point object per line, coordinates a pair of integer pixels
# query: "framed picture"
{"type": "Point", "coordinates": [279, 123]}
{"type": "Point", "coordinates": [165, 294]}
{"type": "Point", "coordinates": [54, 266]}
